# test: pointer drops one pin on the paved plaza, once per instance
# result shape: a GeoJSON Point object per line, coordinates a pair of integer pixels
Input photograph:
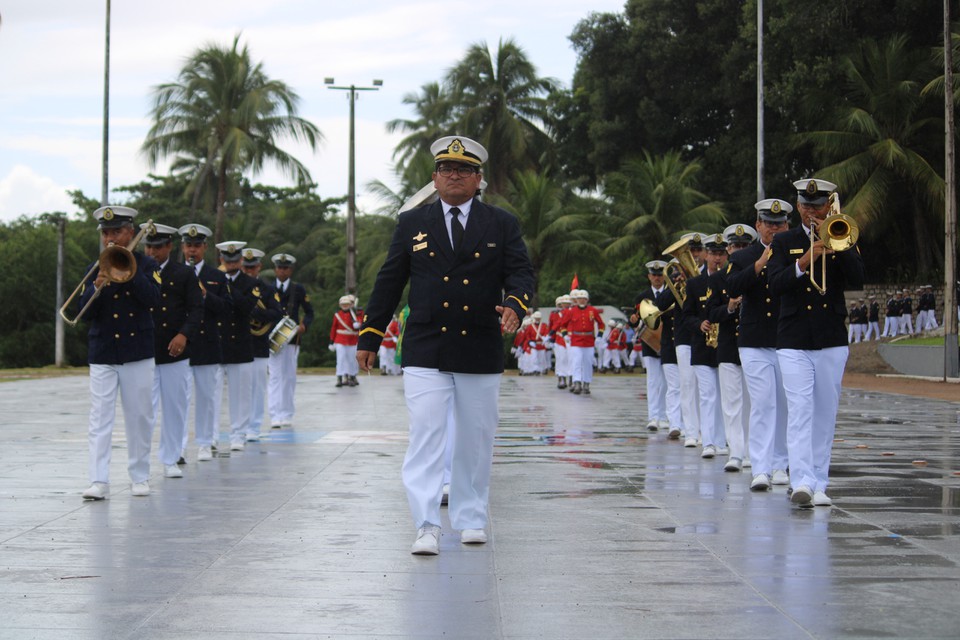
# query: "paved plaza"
{"type": "Point", "coordinates": [599, 530]}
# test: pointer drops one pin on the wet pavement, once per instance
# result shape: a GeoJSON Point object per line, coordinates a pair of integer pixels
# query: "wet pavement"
{"type": "Point", "coordinates": [598, 529]}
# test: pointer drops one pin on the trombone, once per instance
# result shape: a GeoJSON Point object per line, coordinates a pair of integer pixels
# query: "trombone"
{"type": "Point", "coordinates": [117, 263]}
{"type": "Point", "coordinates": [839, 232]}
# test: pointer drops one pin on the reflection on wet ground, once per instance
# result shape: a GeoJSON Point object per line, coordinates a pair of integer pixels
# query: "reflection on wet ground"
{"type": "Point", "coordinates": [599, 529]}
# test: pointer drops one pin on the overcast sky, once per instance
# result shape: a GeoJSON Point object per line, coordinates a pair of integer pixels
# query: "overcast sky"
{"type": "Point", "coordinates": [52, 59]}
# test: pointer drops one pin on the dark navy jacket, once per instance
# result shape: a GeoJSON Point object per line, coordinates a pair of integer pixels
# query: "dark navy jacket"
{"type": "Point", "coordinates": [453, 324]}
{"type": "Point", "coordinates": [205, 348]}
{"type": "Point", "coordinates": [694, 312]}
{"type": "Point", "coordinates": [180, 310]}
{"type": "Point", "coordinates": [121, 326]}
{"type": "Point", "coordinates": [269, 313]}
{"type": "Point", "coordinates": [294, 299]}
{"type": "Point", "coordinates": [760, 307]}
{"type": "Point", "coordinates": [718, 313]}
{"type": "Point", "coordinates": [808, 320]}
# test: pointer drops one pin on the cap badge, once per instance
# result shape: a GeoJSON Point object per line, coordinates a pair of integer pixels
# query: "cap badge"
{"type": "Point", "coordinates": [812, 187]}
{"type": "Point", "coordinates": [248, 254]}
{"type": "Point", "coordinates": [231, 248]}
{"type": "Point", "coordinates": [456, 147]}
{"type": "Point", "coordinates": [739, 230]}
{"type": "Point", "coordinates": [775, 207]}
{"type": "Point", "coordinates": [420, 236]}
{"type": "Point", "coordinates": [108, 214]}
{"type": "Point", "coordinates": [695, 238]}
{"type": "Point", "coordinates": [192, 232]}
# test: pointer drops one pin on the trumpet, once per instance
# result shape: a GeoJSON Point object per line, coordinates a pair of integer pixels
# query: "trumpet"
{"type": "Point", "coordinates": [839, 232]}
{"type": "Point", "coordinates": [116, 263]}
{"type": "Point", "coordinates": [682, 267]}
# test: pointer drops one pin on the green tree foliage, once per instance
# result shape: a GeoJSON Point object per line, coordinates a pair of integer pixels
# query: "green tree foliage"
{"type": "Point", "coordinates": [223, 117]}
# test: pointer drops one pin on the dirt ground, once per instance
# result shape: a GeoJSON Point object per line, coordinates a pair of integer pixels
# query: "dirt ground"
{"type": "Point", "coordinates": [867, 370]}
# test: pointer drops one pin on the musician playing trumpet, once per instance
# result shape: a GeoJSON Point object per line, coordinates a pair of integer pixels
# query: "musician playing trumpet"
{"type": "Point", "coordinates": [812, 343]}
{"type": "Point", "coordinates": [120, 354]}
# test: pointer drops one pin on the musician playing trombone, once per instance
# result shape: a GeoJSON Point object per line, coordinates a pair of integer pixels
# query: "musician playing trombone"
{"type": "Point", "coordinates": [812, 343]}
{"type": "Point", "coordinates": [120, 355]}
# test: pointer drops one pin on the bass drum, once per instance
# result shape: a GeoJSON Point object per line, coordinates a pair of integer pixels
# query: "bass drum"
{"type": "Point", "coordinates": [282, 334]}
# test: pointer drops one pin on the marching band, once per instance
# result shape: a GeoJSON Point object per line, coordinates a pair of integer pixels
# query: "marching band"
{"type": "Point", "coordinates": [742, 334]}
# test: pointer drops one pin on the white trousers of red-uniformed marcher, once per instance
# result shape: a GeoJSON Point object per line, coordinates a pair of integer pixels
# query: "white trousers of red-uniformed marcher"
{"type": "Point", "coordinates": [811, 380]}
{"type": "Point", "coordinates": [711, 419]}
{"type": "Point", "coordinates": [282, 383]}
{"type": "Point", "coordinates": [656, 390]}
{"type": "Point", "coordinates": [581, 360]}
{"type": "Point", "coordinates": [240, 391]}
{"type": "Point", "coordinates": [346, 359]}
{"type": "Point", "coordinates": [735, 406]}
{"type": "Point", "coordinates": [171, 401]}
{"type": "Point", "coordinates": [561, 360]}
{"type": "Point", "coordinates": [388, 360]}
{"type": "Point", "coordinates": [258, 397]}
{"type": "Point", "coordinates": [768, 409]}
{"type": "Point", "coordinates": [207, 393]}
{"type": "Point", "coordinates": [671, 379]}
{"type": "Point", "coordinates": [689, 394]}
{"type": "Point", "coordinates": [134, 382]}
{"type": "Point", "coordinates": [428, 394]}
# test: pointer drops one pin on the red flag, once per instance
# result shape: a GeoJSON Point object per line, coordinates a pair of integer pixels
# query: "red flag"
{"type": "Point", "coordinates": [575, 283]}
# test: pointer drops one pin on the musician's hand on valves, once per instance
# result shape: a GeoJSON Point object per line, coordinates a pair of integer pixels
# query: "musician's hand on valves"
{"type": "Point", "coordinates": [705, 326]}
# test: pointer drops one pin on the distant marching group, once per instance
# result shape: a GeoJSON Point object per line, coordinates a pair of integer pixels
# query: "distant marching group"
{"type": "Point", "coordinates": [864, 318]}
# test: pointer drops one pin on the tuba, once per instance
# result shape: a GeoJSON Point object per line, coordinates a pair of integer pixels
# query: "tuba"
{"type": "Point", "coordinates": [839, 232]}
{"type": "Point", "coordinates": [682, 267]}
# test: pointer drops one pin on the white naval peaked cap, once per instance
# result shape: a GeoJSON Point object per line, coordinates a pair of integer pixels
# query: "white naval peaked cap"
{"type": "Point", "coordinates": [194, 232]}
{"type": "Point", "coordinates": [283, 259]}
{"type": "Point", "coordinates": [113, 216]}
{"type": "Point", "coordinates": [739, 234]}
{"type": "Point", "coordinates": [230, 250]}
{"type": "Point", "coordinates": [814, 190]}
{"type": "Point", "coordinates": [458, 149]}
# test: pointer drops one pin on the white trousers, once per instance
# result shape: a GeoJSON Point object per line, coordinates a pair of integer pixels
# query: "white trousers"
{"type": "Point", "coordinates": [208, 385]}
{"type": "Point", "coordinates": [855, 333]}
{"type": "Point", "coordinates": [735, 406]}
{"type": "Point", "coordinates": [171, 400]}
{"type": "Point", "coordinates": [562, 364]}
{"type": "Point", "coordinates": [689, 394]}
{"type": "Point", "coordinates": [711, 419]}
{"type": "Point", "coordinates": [134, 382]}
{"type": "Point", "coordinates": [240, 391]}
{"type": "Point", "coordinates": [388, 356]}
{"type": "Point", "coordinates": [890, 324]}
{"type": "Point", "coordinates": [873, 328]}
{"type": "Point", "coordinates": [282, 383]}
{"type": "Point", "coordinates": [258, 396]}
{"type": "Point", "coordinates": [671, 378]}
{"type": "Point", "coordinates": [581, 360]}
{"type": "Point", "coordinates": [347, 364]}
{"type": "Point", "coordinates": [768, 409]}
{"type": "Point", "coordinates": [656, 389]}
{"type": "Point", "coordinates": [429, 394]}
{"type": "Point", "coordinates": [811, 380]}
{"type": "Point", "coordinates": [543, 360]}
{"type": "Point", "coordinates": [906, 324]}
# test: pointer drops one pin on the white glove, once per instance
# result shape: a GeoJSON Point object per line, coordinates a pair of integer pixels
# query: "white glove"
{"type": "Point", "coordinates": [331, 347]}
{"type": "Point", "coordinates": [532, 343]}
{"type": "Point", "coordinates": [356, 325]}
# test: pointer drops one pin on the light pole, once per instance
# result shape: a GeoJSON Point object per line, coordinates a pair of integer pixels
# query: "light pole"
{"type": "Point", "coordinates": [351, 271]}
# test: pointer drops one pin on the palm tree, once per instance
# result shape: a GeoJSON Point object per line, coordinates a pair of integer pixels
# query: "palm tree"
{"type": "Point", "coordinates": [224, 116]}
{"type": "Point", "coordinates": [502, 104]}
{"type": "Point", "coordinates": [882, 148]}
{"type": "Point", "coordinates": [653, 199]}
{"type": "Point", "coordinates": [434, 114]}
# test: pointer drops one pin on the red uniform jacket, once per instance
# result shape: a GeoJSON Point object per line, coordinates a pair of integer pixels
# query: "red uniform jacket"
{"type": "Point", "coordinates": [555, 317]}
{"type": "Point", "coordinates": [390, 337]}
{"type": "Point", "coordinates": [536, 333]}
{"type": "Point", "coordinates": [579, 323]}
{"type": "Point", "coordinates": [346, 326]}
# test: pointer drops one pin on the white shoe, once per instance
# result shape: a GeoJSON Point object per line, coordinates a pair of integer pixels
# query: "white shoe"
{"type": "Point", "coordinates": [236, 446]}
{"type": "Point", "coordinates": [761, 482]}
{"type": "Point", "coordinates": [674, 433]}
{"type": "Point", "coordinates": [204, 453]}
{"type": "Point", "coordinates": [473, 536]}
{"type": "Point", "coordinates": [427, 542]}
{"type": "Point", "coordinates": [708, 451]}
{"type": "Point", "coordinates": [780, 477]}
{"type": "Point", "coordinates": [723, 451]}
{"type": "Point", "coordinates": [733, 464]}
{"type": "Point", "coordinates": [97, 491]}
{"type": "Point", "coordinates": [690, 442]}
{"type": "Point", "coordinates": [746, 463]}
{"type": "Point", "coordinates": [801, 496]}
{"type": "Point", "coordinates": [172, 471]}
{"type": "Point", "coordinates": [821, 499]}
{"type": "Point", "coordinates": [652, 425]}
{"type": "Point", "coordinates": [140, 489]}
{"type": "Point", "coordinates": [253, 437]}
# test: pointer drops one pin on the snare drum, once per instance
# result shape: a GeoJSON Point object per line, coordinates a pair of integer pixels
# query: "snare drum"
{"type": "Point", "coordinates": [283, 333]}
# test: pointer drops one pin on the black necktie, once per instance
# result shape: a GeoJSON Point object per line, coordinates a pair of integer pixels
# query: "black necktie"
{"type": "Point", "coordinates": [457, 227]}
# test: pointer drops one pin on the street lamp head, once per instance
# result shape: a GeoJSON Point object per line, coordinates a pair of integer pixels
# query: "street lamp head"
{"type": "Point", "coordinates": [328, 81]}
{"type": "Point", "coordinates": [378, 83]}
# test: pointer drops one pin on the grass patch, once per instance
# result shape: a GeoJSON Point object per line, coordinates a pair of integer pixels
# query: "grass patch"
{"type": "Point", "coordinates": [932, 341]}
